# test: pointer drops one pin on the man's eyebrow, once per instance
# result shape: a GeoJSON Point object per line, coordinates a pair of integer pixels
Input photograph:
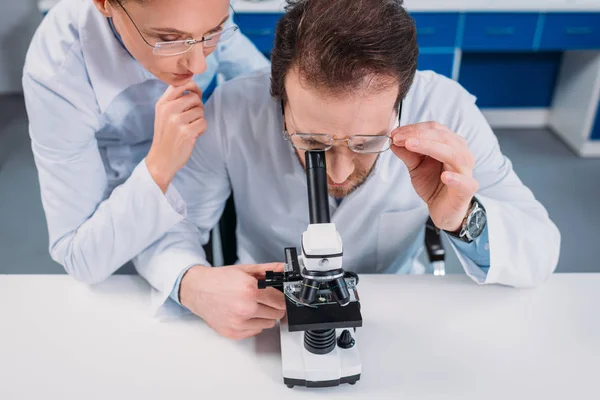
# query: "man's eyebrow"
{"type": "Point", "coordinates": [182, 33]}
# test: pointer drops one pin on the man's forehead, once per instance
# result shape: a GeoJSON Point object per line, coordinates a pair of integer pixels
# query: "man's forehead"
{"type": "Point", "coordinates": [359, 112]}
{"type": "Point", "coordinates": [343, 118]}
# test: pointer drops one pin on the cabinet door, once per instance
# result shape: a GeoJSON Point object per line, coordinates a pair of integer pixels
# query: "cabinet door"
{"type": "Point", "coordinates": [571, 31]}
{"type": "Point", "coordinates": [499, 31]}
{"type": "Point", "coordinates": [596, 128]}
{"type": "Point", "coordinates": [441, 63]}
{"type": "Point", "coordinates": [436, 29]}
{"type": "Point", "coordinates": [260, 29]}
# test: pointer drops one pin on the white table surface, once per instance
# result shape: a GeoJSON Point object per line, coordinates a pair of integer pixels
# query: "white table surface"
{"type": "Point", "coordinates": [424, 337]}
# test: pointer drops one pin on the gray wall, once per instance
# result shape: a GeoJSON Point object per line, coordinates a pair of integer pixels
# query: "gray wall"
{"type": "Point", "coordinates": [18, 21]}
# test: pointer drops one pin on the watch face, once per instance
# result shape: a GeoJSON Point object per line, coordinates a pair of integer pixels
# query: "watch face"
{"type": "Point", "coordinates": [477, 224]}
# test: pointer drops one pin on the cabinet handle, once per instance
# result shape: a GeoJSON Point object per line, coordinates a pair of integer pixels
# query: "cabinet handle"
{"type": "Point", "coordinates": [507, 31]}
{"type": "Point", "coordinates": [426, 31]}
{"type": "Point", "coordinates": [579, 30]}
{"type": "Point", "coordinates": [258, 32]}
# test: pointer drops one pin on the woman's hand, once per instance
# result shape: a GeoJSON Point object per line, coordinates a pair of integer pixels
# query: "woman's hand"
{"type": "Point", "coordinates": [179, 121]}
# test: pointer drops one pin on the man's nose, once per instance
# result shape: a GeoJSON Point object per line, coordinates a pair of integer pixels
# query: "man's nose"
{"type": "Point", "coordinates": [196, 59]}
{"type": "Point", "coordinates": [340, 164]}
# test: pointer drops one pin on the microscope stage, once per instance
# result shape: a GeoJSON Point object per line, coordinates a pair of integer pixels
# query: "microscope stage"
{"type": "Point", "coordinates": [324, 316]}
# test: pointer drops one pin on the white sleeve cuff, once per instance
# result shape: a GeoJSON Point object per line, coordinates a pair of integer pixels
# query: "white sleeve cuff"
{"type": "Point", "coordinates": [472, 270]}
{"type": "Point", "coordinates": [172, 198]}
{"type": "Point", "coordinates": [494, 225]}
{"type": "Point", "coordinates": [176, 201]}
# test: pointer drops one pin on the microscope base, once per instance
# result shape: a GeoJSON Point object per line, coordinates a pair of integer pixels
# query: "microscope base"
{"type": "Point", "coordinates": [303, 368]}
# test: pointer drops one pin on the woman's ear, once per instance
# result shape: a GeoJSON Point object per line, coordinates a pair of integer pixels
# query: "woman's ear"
{"type": "Point", "coordinates": [104, 7]}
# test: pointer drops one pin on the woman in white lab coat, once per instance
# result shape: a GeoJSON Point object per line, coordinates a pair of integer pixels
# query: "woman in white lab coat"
{"type": "Point", "coordinates": [114, 93]}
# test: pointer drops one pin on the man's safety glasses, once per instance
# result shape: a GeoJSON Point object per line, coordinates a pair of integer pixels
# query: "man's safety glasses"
{"type": "Point", "coordinates": [362, 144]}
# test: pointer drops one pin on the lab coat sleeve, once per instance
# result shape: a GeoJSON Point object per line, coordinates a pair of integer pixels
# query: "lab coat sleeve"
{"type": "Point", "coordinates": [238, 56]}
{"type": "Point", "coordinates": [91, 232]}
{"type": "Point", "coordinates": [477, 251]}
{"type": "Point", "coordinates": [524, 243]}
{"type": "Point", "coordinates": [204, 186]}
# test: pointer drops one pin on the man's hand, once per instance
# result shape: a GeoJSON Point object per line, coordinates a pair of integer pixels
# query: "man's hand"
{"type": "Point", "coordinates": [441, 169]}
{"type": "Point", "coordinates": [229, 300]}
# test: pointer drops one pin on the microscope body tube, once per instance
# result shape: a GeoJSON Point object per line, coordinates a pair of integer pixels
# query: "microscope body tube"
{"type": "Point", "coordinates": [316, 181]}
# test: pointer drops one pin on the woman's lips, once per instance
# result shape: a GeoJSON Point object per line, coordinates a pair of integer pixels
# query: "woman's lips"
{"type": "Point", "coordinates": [183, 76]}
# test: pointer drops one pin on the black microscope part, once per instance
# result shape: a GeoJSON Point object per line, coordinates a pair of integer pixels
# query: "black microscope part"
{"type": "Point", "coordinates": [316, 181]}
{"type": "Point", "coordinates": [309, 291]}
{"type": "Point", "coordinates": [340, 291]}
{"type": "Point", "coordinates": [319, 341]}
{"type": "Point", "coordinates": [346, 341]}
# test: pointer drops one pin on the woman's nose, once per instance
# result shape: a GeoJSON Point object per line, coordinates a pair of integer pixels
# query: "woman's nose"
{"type": "Point", "coordinates": [196, 60]}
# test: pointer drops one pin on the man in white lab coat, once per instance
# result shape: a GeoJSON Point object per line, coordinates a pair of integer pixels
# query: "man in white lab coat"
{"type": "Point", "coordinates": [401, 145]}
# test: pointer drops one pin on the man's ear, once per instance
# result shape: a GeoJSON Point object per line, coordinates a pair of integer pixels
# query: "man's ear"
{"type": "Point", "coordinates": [104, 7]}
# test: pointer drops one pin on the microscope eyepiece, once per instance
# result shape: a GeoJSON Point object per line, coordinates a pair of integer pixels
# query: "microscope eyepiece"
{"type": "Point", "coordinates": [316, 180]}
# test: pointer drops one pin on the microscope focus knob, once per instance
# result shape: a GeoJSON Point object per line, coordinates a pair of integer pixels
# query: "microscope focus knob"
{"type": "Point", "coordinates": [346, 341]}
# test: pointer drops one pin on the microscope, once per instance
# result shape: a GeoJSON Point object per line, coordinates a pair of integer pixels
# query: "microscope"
{"type": "Point", "coordinates": [318, 344]}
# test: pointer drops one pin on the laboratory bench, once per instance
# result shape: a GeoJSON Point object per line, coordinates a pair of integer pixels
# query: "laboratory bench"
{"type": "Point", "coordinates": [423, 337]}
{"type": "Point", "coordinates": [530, 63]}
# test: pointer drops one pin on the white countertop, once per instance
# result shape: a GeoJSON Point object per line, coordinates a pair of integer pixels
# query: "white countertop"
{"type": "Point", "coordinates": [424, 337]}
{"type": "Point", "coordinates": [274, 6]}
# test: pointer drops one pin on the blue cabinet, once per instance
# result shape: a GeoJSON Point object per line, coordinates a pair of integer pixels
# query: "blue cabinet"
{"type": "Point", "coordinates": [511, 80]}
{"type": "Point", "coordinates": [437, 29]}
{"type": "Point", "coordinates": [571, 31]}
{"type": "Point", "coordinates": [499, 31]}
{"type": "Point", "coordinates": [260, 29]}
{"type": "Point", "coordinates": [509, 59]}
{"type": "Point", "coordinates": [437, 35]}
{"type": "Point", "coordinates": [442, 63]}
{"type": "Point", "coordinates": [596, 128]}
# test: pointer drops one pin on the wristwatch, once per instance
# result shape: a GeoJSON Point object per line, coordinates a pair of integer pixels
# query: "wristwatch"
{"type": "Point", "coordinates": [474, 223]}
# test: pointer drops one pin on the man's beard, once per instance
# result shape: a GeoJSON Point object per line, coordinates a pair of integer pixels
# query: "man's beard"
{"type": "Point", "coordinates": [358, 177]}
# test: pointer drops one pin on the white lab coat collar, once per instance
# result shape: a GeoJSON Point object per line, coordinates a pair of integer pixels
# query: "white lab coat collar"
{"type": "Point", "coordinates": [110, 67]}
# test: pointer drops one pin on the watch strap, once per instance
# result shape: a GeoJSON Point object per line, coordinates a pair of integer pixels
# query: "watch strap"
{"type": "Point", "coordinates": [461, 233]}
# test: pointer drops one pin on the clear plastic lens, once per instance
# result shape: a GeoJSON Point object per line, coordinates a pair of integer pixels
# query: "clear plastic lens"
{"type": "Point", "coordinates": [369, 144]}
{"type": "Point", "coordinates": [172, 48]}
{"type": "Point", "coordinates": [312, 142]}
{"type": "Point", "coordinates": [182, 46]}
{"type": "Point", "coordinates": [213, 40]}
{"type": "Point", "coordinates": [358, 144]}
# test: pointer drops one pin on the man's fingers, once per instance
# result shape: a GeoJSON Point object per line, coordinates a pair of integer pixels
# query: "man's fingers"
{"type": "Point", "coordinates": [271, 297]}
{"type": "Point", "coordinates": [258, 270]}
{"type": "Point", "coordinates": [174, 92]}
{"type": "Point", "coordinates": [458, 160]}
{"type": "Point", "coordinates": [245, 334]}
{"type": "Point", "coordinates": [268, 312]}
{"type": "Point", "coordinates": [428, 131]}
{"type": "Point", "coordinates": [464, 185]}
{"type": "Point", "coordinates": [406, 130]}
{"type": "Point", "coordinates": [259, 323]}
{"type": "Point", "coordinates": [410, 159]}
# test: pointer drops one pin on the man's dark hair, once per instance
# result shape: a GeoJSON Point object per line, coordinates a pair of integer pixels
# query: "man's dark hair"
{"type": "Point", "coordinates": [338, 46]}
